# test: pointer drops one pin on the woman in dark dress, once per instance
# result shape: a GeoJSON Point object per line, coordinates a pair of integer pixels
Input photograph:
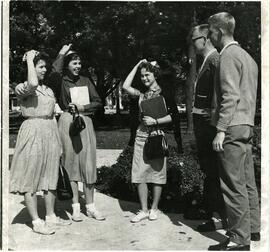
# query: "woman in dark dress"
{"type": "Point", "coordinates": [79, 151]}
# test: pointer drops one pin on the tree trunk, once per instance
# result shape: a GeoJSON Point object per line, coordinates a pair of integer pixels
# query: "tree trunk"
{"type": "Point", "coordinates": [117, 98]}
{"type": "Point", "coordinates": [191, 80]}
{"type": "Point", "coordinates": [100, 89]}
{"type": "Point", "coordinates": [190, 88]}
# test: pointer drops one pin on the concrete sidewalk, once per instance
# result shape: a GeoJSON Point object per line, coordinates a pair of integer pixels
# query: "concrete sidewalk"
{"type": "Point", "coordinates": [169, 232]}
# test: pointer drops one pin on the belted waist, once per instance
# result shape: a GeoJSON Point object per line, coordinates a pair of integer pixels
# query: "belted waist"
{"type": "Point", "coordinates": [39, 117]}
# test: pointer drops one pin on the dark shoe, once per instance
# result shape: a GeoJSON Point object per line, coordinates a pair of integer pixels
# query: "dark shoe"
{"type": "Point", "coordinates": [224, 246]}
{"type": "Point", "coordinates": [220, 246]}
{"type": "Point", "coordinates": [207, 226]}
{"type": "Point", "coordinates": [255, 237]}
{"type": "Point", "coordinates": [238, 248]}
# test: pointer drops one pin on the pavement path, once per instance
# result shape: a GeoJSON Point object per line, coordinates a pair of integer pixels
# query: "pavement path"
{"type": "Point", "coordinates": [169, 232]}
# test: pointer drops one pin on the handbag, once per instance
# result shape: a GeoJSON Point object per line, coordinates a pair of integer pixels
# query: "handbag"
{"type": "Point", "coordinates": [63, 189]}
{"type": "Point", "coordinates": [156, 146]}
{"type": "Point", "coordinates": [77, 124]}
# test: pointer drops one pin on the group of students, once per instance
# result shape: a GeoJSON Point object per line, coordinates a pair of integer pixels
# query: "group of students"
{"type": "Point", "coordinates": [223, 113]}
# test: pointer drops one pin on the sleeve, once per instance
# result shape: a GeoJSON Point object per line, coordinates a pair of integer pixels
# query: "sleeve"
{"type": "Point", "coordinates": [214, 66]}
{"type": "Point", "coordinates": [64, 97]}
{"type": "Point", "coordinates": [58, 64]}
{"type": "Point", "coordinates": [230, 74]}
{"type": "Point", "coordinates": [173, 112]}
{"type": "Point", "coordinates": [55, 77]}
{"type": "Point", "coordinates": [24, 89]}
{"type": "Point", "coordinates": [95, 101]}
{"type": "Point", "coordinates": [172, 107]}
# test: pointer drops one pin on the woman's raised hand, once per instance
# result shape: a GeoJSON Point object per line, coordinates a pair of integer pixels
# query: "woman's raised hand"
{"type": "Point", "coordinates": [30, 55]}
{"type": "Point", "coordinates": [142, 61]}
{"type": "Point", "coordinates": [65, 49]}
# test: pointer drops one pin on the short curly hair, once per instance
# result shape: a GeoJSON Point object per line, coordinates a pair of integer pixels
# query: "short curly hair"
{"type": "Point", "coordinates": [41, 56]}
{"type": "Point", "coordinates": [155, 69]}
{"type": "Point", "coordinates": [70, 57]}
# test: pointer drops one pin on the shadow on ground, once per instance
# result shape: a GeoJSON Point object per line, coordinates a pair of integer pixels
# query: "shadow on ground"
{"type": "Point", "coordinates": [176, 219]}
{"type": "Point", "coordinates": [179, 220]}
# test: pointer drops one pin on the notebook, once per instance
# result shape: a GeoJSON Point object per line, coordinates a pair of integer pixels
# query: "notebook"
{"type": "Point", "coordinates": [80, 95]}
{"type": "Point", "coordinates": [154, 107]}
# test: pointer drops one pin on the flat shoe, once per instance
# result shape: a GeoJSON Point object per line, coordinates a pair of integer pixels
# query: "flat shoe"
{"type": "Point", "coordinates": [95, 214]}
{"type": "Point", "coordinates": [224, 247]}
{"type": "Point", "coordinates": [140, 216]}
{"type": "Point", "coordinates": [207, 226]}
{"type": "Point", "coordinates": [42, 228]}
{"type": "Point", "coordinates": [76, 218]}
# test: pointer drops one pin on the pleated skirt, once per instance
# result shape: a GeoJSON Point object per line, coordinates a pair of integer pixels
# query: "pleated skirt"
{"type": "Point", "coordinates": [35, 163]}
{"type": "Point", "coordinates": [79, 152]}
{"type": "Point", "coordinates": [143, 170]}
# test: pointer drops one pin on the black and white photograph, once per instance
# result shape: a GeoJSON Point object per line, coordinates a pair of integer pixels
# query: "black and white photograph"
{"type": "Point", "coordinates": [135, 125]}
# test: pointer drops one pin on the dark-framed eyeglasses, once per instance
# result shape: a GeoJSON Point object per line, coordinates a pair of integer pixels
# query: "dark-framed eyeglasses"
{"type": "Point", "coordinates": [194, 39]}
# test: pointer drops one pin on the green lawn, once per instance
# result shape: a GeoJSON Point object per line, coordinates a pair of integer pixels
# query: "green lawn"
{"type": "Point", "coordinates": [114, 139]}
{"type": "Point", "coordinates": [112, 132]}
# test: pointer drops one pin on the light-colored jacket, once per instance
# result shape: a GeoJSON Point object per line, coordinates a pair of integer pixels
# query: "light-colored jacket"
{"type": "Point", "coordinates": [236, 89]}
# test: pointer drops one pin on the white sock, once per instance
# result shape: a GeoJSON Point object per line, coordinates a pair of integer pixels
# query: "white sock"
{"type": "Point", "coordinates": [37, 221]}
{"type": "Point", "coordinates": [52, 216]}
{"type": "Point", "coordinates": [90, 206]}
{"type": "Point", "coordinates": [75, 205]}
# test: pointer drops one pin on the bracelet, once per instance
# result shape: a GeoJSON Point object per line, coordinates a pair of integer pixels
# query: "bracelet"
{"type": "Point", "coordinates": [156, 122]}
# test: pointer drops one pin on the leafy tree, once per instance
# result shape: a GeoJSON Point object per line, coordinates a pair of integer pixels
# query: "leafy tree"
{"type": "Point", "coordinates": [113, 36]}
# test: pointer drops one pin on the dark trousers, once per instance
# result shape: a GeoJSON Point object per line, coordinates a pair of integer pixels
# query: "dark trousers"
{"type": "Point", "coordinates": [238, 184]}
{"type": "Point", "coordinates": [208, 160]}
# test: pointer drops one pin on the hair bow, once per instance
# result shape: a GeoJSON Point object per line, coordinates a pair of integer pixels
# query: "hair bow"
{"type": "Point", "coordinates": [153, 63]}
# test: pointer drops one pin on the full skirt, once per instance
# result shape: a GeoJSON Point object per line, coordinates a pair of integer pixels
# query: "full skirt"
{"type": "Point", "coordinates": [35, 164]}
{"type": "Point", "coordinates": [79, 152]}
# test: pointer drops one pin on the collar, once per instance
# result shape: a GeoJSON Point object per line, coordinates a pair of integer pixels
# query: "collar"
{"type": "Point", "coordinates": [209, 53]}
{"type": "Point", "coordinates": [231, 43]}
{"type": "Point", "coordinates": [68, 78]}
{"type": "Point", "coordinates": [44, 90]}
{"type": "Point", "coordinates": [206, 57]}
{"type": "Point", "coordinates": [155, 89]}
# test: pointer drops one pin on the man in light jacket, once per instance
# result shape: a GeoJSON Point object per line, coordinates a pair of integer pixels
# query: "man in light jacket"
{"type": "Point", "coordinates": [234, 120]}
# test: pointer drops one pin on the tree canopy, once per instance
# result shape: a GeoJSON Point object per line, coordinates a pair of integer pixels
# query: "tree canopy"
{"type": "Point", "coordinates": [113, 36]}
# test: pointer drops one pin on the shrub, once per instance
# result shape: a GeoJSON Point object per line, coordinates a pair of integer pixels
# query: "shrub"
{"type": "Point", "coordinates": [116, 180]}
{"type": "Point", "coordinates": [183, 191]}
{"type": "Point", "coordinates": [184, 179]}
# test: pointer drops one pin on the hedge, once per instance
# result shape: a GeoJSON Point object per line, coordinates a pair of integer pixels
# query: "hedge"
{"type": "Point", "coordinates": [183, 191]}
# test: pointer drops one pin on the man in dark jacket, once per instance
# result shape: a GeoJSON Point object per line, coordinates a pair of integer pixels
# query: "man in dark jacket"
{"type": "Point", "coordinates": [204, 131]}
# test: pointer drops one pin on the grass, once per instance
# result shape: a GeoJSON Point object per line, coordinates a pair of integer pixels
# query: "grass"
{"type": "Point", "coordinates": [112, 139]}
{"type": "Point", "coordinates": [112, 132]}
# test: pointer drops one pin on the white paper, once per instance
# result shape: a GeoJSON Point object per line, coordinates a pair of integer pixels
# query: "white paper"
{"type": "Point", "coordinates": [80, 95]}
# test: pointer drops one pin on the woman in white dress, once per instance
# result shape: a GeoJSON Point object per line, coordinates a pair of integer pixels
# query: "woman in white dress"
{"type": "Point", "coordinates": [38, 149]}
